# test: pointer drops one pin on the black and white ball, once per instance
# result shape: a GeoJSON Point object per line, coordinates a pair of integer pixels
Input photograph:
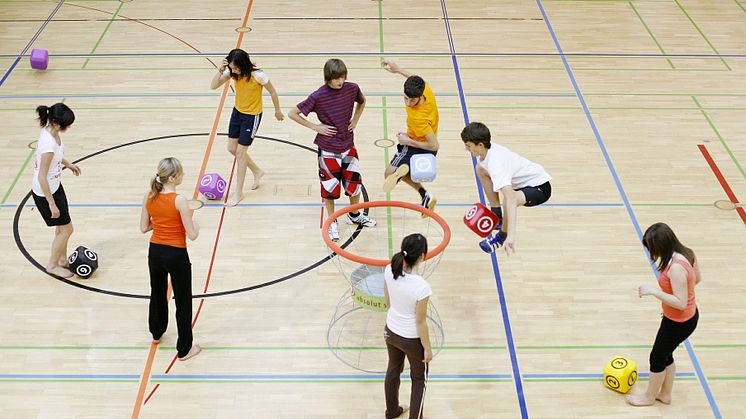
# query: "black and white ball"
{"type": "Point", "coordinates": [83, 262]}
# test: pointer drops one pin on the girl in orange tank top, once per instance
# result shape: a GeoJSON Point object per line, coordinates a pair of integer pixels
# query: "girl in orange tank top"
{"type": "Point", "coordinates": [167, 214]}
{"type": "Point", "coordinates": [679, 274]}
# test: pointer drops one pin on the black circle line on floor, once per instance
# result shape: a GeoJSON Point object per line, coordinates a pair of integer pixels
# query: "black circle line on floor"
{"type": "Point", "coordinates": [22, 248]}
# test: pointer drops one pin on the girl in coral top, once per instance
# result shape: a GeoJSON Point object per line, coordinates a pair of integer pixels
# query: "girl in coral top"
{"type": "Point", "coordinates": [248, 81]}
{"type": "Point", "coordinates": [679, 274]}
{"type": "Point", "coordinates": [167, 214]}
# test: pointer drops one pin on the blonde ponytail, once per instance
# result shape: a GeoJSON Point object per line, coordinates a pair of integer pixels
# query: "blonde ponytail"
{"type": "Point", "coordinates": [167, 168]}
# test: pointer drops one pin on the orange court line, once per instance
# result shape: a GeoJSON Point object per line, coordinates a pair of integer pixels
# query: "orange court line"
{"type": "Point", "coordinates": [153, 347]}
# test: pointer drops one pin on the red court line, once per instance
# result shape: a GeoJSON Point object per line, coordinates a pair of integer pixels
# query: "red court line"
{"type": "Point", "coordinates": [151, 354]}
{"type": "Point", "coordinates": [723, 182]}
{"type": "Point", "coordinates": [209, 275]}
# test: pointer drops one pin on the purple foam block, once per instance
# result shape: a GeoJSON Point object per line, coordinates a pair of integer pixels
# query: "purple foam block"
{"type": "Point", "coordinates": [212, 186]}
{"type": "Point", "coordinates": [39, 59]}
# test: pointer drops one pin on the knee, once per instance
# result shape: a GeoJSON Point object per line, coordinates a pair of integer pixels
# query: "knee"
{"type": "Point", "coordinates": [66, 230]}
{"type": "Point", "coordinates": [658, 363]}
{"type": "Point", "coordinates": [242, 153]}
{"type": "Point", "coordinates": [231, 147]}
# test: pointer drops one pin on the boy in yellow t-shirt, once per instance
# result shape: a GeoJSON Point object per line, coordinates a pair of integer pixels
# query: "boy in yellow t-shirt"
{"type": "Point", "coordinates": [247, 113]}
{"type": "Point", "coordinates": [421, 136]}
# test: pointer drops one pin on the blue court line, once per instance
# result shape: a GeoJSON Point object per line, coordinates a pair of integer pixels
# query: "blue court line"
{"type": "Point", "coordinates": [620, 188]}
{"type": "Point", "coordinates": [31, 42]}
{"type": "Point", "coordinates": [304, 376]}
{"type": "Point", "coordinates": [316, 204]}
{"type": "Point", "coordinates": [399, 54]}
{"type": "Point", "coordinates": [495, 268]}
{"type": "Point", "coordinates": [599, 376]}
{"type": "Point", "coordinates": [159, 95]}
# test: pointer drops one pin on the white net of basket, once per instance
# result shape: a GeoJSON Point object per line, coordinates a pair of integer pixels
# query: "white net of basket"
{"type": "Point", "coordinates": [355, 333]}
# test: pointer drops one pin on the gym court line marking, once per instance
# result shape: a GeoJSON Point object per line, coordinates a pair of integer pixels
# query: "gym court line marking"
{"type": "Point", "coordinates": [319, 378]}
{"type": "Point", "coordinates": [454, 204]}
{"type": "Point", "coordinates": [213, 132]}
{"type": "Point", "coordinates": [646, 346]}
{"type": "Point", "coordinates": [723, 183]}
{"type": "Point", "coordinates": [692, 356]}
{"type": "Point", "coordinates": [400, 54]}
{"type": "Point", "coordinates": [30, 43]}
{"type": "Point", "coordinates": [516, 374]}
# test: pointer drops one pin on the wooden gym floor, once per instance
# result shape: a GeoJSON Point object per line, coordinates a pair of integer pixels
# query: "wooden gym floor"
{"type": "Point", "coordinates": [634, 107]}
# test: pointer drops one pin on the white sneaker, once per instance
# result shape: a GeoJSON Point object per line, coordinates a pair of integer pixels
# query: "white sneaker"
{"type": "Point", "coordinates": [334, 231]}
{"type": "Point", "coordinates": [361, 219]}
{"type": "Point", "coordinates": [429, 202]}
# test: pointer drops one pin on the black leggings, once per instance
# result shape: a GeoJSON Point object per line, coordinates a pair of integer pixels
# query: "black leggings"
{"type": "Point", "coordinates": [174, 261]}
{"type": "Point", "coordinates": [670, 335]}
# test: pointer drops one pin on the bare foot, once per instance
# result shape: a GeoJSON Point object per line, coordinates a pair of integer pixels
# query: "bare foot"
{"type": "Point", "coordinates": [60, 271]}
{"type": "Point", "coordinates": [234, 199]}
{"type": "Point", "coordinates": [196, 349]}
{"type": "Point", "coordinates": [391, 180]}
{"type": "Point", "coordinates": [640, 400]}
{"type": "Point", "coordinates": [663, 398]}
{"type": "Point", "coordinates": [257, 179]}
{"type": "Point", "coordinates": [64, 263]}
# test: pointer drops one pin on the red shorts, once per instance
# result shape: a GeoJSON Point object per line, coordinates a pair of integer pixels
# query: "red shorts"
{"type": "Point", "coordinates": [337, 171]}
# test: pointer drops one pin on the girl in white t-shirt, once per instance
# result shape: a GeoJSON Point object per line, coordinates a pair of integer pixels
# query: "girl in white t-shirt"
{"type": "Point", "coordinates": [249, 82]}
{"type": "Point", "coordinates": [48, 193]}
{"type": "Point", "coordinates": [406, 333]}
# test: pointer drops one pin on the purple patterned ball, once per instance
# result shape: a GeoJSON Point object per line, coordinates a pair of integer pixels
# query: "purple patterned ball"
{"type": "Point", "coordinates": [212, 186]}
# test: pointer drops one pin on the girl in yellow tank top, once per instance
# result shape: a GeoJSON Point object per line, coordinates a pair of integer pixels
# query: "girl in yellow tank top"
{"type": "Point", "coordinates": [249, 82]}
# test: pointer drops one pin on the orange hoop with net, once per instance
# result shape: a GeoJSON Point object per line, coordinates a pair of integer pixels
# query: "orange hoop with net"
{"type": "Point", "coordinates": [339, 250]}
{"type": "Point", "coordinates": [356, 326]}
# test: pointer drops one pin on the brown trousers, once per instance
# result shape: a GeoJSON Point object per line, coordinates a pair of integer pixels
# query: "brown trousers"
{"type": "Point", "coordinates": [399, 348]}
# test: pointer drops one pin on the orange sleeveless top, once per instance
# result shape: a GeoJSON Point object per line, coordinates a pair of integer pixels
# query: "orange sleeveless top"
{"type": "Point", "coordinates": [167, 226]}
{"type": "Point", "coordinates": [691, 280]}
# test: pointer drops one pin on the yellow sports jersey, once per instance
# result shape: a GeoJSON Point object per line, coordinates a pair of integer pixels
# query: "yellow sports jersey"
{"type": "Point", "coordinates": [422, 118]}
{"type": "Point", "coordinates": [249, 92]}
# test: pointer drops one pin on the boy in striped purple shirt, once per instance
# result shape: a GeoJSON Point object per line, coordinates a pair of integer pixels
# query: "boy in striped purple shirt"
{"type": "Point", "coordinates": [339, 167]}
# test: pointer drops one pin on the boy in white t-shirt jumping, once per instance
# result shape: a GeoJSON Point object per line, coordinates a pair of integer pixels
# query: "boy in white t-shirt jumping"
{"type": "Point", "coordinates": [522, 183]}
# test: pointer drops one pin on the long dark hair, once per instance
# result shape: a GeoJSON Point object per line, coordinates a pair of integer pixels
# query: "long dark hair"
{"type": "Point", "coordinates": [412, 248]}
{"type": "Point", "coordinates": [59, 113]}
{"type": "Point", "coordinates": [661, 242]}
{"type": "Point", "coordinates": [240, 59]}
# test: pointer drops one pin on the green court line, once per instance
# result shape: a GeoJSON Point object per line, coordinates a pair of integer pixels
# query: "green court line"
{"type": "Point", "coordinates": [651, 34]}
{"type": "Point", "coordinates": [702, 33]}
{"type": "Point", "coordinates": [599, 379]}
{"type": "Point", "coordinates": [31, 152]}
{"type": "Point", "coordinates": [378, 55]}
{"type": "Point", "coordinates": [516, 95]}
{"type": "Point", "coordinates": [18, 175]}
{"type": "Point", "coordinates": [106, 29]}
{"type": "Point", "coordinates": [384, 104]}
{"type": "Point", "coordinates": [356, 380]}
{"type": "Point", "coordinates": [740, 5]}
{"type": "Point", "coordinates": [507, 108]}
{"type": "Point", "coordinates": [430, 69]}
{"type": "Point", "coordinates": [720, 137]}
{"type": "Point", "coordinates": [324, 348]}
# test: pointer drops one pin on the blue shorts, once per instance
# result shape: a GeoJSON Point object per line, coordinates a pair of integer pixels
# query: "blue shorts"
{"type": "Point", "coordinates": [404, 153]}
{"type": "Point", "coordinates": [243, 127]}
